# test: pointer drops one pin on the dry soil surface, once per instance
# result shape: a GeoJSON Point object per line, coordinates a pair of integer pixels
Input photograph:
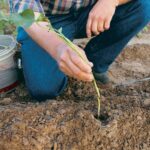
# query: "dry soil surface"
{"type": "Point", "coordinates": [70, 122]}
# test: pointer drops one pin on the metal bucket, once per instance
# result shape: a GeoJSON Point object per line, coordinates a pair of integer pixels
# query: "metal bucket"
{"type": "Point", "coordinates": [8, 72]}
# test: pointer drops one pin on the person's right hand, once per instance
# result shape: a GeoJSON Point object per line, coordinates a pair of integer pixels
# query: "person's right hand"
{"type": "Point", "coordinates": [72, 65]}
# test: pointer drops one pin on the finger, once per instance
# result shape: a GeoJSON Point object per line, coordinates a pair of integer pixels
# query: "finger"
{"type": "Point", "coordinates": [88, 27]}
{"type": "Point", "coordinates": [66, 72]}
{"type": "Point", "coordinates": [107, 23]}
{"type": "Point", "coordinates": [85, 77]}
{"type": "Point", "coordinates": [101, 25]}
{"type": "Point", "coordinates": [84, 66]}
{"type": "Point", "coordinates": [95, 27]}
{"type": "Point", "coordinates": [65, 69]}
{"type": "Point", "coordinates": [82, 52]}
{"type": "Point", "coordinates": [77, 73]}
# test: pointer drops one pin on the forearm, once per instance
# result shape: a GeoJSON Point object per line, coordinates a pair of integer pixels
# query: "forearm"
{"type": "Point", "coordinates": [67, 59]}
{"type": "Point", "coordinates": [48, 40]}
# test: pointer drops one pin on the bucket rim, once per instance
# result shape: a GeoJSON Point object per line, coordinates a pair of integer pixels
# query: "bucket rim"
{"type": "Point", "coordinates": [7, 55]}
{"type": "Point", "coordinates": [8, 49]}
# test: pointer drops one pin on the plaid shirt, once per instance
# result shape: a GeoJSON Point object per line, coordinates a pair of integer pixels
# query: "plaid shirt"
{"type": "Point", "coordinates": [49, 6]}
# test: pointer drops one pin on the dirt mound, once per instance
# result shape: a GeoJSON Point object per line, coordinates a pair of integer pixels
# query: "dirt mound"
{"type": "Point", "coordinates": [132, 64]}
{"type": "Point", "coordinates": [70, 122]}
{"type": "Point", "coordinates": [69, 125]}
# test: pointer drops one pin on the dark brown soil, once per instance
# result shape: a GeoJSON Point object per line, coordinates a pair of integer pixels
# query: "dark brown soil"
{"type": "Point", "coordinates": [70, 121]}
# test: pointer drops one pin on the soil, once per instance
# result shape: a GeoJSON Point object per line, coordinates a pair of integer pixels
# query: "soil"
{"type": "Point", "coordinates": [70, 121]}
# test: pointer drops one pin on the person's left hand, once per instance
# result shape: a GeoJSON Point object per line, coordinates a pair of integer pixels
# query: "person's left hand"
{"type": "Point", "coordinates": [100, 16]}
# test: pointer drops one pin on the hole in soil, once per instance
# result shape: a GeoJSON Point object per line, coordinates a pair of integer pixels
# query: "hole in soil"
{"type": "Point", "coordinates": [104, 119]}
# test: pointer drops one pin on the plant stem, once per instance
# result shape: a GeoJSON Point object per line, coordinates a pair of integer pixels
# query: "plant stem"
{"type": "Point", "coordinates": [74, 48]}
{"type": "Point", "coordinates": [80, 55]}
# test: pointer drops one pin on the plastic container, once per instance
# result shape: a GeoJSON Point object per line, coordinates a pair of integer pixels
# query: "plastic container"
{"type": "Point", "coordinates": [8, 72]}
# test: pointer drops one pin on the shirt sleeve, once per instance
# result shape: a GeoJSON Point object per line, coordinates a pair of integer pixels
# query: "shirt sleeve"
{"type": "Point", "coordinates": [21, 5]}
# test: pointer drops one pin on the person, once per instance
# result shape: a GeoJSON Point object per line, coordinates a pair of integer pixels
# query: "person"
{"type": "Point", "coordinates": [48, 60]}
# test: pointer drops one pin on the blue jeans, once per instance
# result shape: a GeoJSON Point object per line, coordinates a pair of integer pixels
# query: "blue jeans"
{"type": "Point", "coordinates": [43, 78]}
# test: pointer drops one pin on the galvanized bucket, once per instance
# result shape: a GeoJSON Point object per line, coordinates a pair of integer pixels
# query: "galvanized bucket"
{"type": "Point", "coordinates": [8, 72]}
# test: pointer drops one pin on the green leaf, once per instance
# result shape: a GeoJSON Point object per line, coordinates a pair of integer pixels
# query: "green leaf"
{"type": "Point", "coordinates": [24, 19]}
{"type": "Point", "coordinates": [3, 17]}
{"type": "Point", "coordinates": [28, 17]}
{"type": "Point", "coordinates": [42, 17]}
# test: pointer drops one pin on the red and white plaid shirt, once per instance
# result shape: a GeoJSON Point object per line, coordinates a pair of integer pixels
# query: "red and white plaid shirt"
{"type": "Point", "coordinates": [49, 6]}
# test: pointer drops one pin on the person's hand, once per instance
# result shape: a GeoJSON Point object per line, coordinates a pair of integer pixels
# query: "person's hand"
{"type": "Point", "coordinates": [100, 16]}
{"type": "Point", "coordinates": [72, 65]}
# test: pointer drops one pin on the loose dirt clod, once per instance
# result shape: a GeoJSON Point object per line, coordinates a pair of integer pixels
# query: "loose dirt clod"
{"type": "Point", "coordinates": [147, 102]}
{"type": "Point", "coordinates": [5, 101]}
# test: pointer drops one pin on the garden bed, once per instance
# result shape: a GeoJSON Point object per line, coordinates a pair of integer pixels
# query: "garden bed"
{"type": "Point", "coordinates": [70, 122]}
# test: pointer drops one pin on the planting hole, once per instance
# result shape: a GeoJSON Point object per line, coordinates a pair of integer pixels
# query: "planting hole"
{"type": "Point", "coordinates": [104, 119]}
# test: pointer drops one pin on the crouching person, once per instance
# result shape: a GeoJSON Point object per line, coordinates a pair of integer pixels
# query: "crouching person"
{"type": "Point", "coordinates": [47, 60]}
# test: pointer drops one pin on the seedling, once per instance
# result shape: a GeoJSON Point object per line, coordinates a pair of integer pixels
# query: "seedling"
{"type": "Point", "coordinates": [27, 18]}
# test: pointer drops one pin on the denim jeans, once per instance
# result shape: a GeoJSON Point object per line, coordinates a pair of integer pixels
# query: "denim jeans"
{"type": "Point", "coordinates": [43, 78]}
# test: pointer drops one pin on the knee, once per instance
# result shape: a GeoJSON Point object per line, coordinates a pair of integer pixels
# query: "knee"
{"type": "Point", "coordinates": [41, 92]}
